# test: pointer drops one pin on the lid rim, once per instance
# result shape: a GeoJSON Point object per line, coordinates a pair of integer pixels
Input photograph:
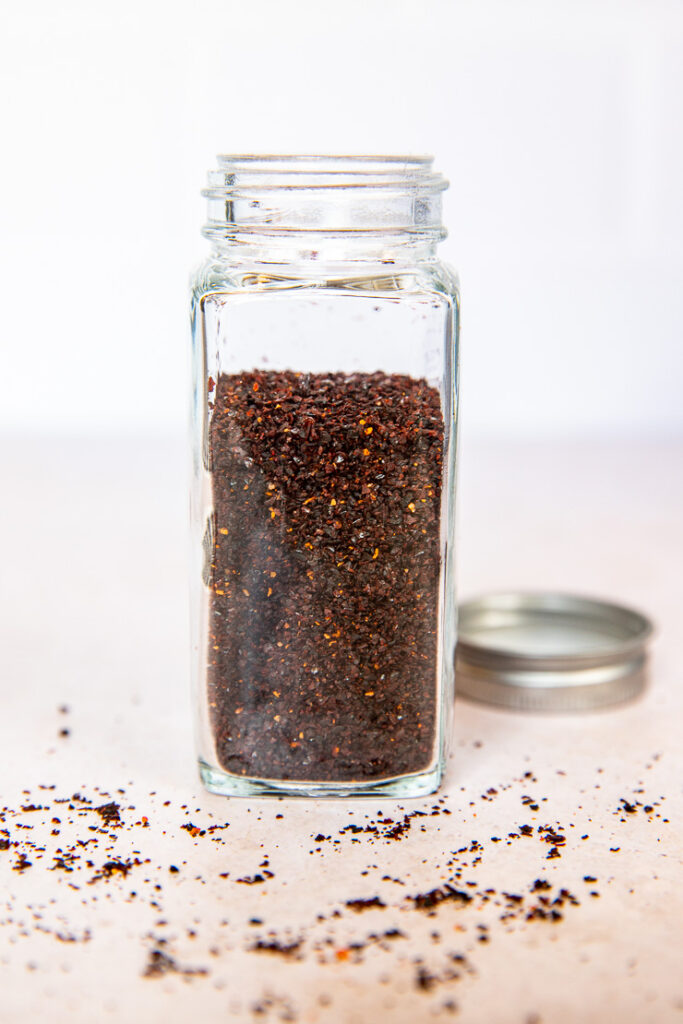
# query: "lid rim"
{"type": "Point", "coordinates": [564, 677]}
{"type": "Point", "coordinates": [507, 658]}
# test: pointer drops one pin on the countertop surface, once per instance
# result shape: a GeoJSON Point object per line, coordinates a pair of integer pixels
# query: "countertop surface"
{"type": "Point", "coordinates": [541, 885]}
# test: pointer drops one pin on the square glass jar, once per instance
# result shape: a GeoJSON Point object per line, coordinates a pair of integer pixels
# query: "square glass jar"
{"type": "Point", "coordinates": [325, 336]}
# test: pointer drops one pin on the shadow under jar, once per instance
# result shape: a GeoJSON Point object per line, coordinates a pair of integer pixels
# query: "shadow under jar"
{"type": "Point", "coordinates": [324, 422]}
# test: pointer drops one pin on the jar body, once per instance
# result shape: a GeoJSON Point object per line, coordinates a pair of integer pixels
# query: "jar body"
{"type": "Point", "coordinates": [324, 619]}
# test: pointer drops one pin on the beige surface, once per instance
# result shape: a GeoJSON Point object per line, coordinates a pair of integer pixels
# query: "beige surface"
{"type": "Point", "coordinates": [94, 617]}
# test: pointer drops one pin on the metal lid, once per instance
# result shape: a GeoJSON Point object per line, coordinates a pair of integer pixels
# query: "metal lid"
{"type": "Point", "coordinates": [550, 652]}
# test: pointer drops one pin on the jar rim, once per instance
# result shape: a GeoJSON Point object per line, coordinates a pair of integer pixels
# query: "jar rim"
{"type": "Point", "coordinates": [420, 158]}
{"type": "Point", "coordinates": [239, 175]}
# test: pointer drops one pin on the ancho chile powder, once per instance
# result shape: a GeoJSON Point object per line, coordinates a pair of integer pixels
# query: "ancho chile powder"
{"type": "Point", "coordinates": [324, 574]}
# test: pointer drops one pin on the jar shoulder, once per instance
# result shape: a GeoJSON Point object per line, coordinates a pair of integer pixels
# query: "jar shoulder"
{"type": "Point", "coordinates": [431, 277]}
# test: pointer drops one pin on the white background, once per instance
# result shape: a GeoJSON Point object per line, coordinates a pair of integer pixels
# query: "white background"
{"type": "Point", "coordinates": [559, 125]}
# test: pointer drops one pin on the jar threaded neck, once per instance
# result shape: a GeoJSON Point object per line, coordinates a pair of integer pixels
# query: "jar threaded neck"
{"type": "Point", "coordinates": [329, 195]}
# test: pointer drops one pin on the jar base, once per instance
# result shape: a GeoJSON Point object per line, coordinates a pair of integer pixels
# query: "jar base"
{"type": "Point", "coordinates": [405, 786]}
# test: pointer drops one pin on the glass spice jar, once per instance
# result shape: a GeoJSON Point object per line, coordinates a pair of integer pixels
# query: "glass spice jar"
{"type": "Point", "coordinates": [324, 419]}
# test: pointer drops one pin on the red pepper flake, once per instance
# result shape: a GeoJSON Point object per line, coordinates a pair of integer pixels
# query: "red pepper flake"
{"type": "Point", "coordinates": [160, 963]}
{"type": "Point", "coordinates": [192, 829]}
{"type": "Point", "coordinates": [428, 900]}
{"type": "Point", "coordinates": [22, 863]}
{"type": "Point", "coordinates": [368, 904]}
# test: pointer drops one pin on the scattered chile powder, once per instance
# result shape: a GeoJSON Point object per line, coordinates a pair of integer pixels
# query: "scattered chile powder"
{"type": "Point", "coordinates": [324, 572]}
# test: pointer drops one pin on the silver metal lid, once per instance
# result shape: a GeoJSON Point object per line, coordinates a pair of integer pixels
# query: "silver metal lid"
{"type": "Point", "coordinates": [550, 652]}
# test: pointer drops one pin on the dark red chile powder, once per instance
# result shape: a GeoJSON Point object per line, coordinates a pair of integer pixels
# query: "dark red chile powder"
{"type": "Point", "coordinates": [324, 574]}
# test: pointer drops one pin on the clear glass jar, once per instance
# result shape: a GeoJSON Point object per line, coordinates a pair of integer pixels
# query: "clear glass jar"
{"type": "Point", "coordinates": [324, 421]}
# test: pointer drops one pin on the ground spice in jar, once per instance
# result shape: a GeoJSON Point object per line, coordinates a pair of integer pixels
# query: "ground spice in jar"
{"type": "Point", "coordinates": [323, 565]}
